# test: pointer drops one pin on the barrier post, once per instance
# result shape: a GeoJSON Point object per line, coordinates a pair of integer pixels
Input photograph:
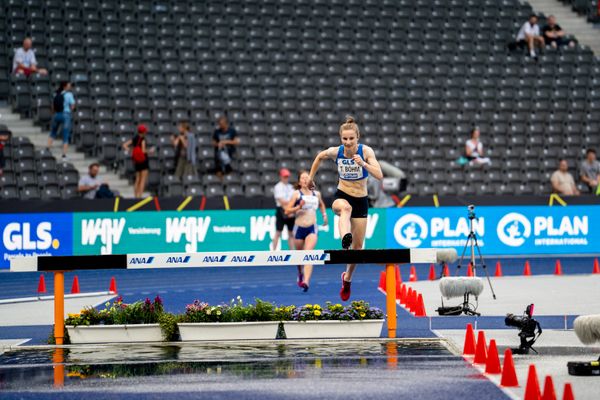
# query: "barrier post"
{"type": "Point", "coordinates": [59, 307]}
{"type": "Point", "coordinates": [390, 290]}
{"type": "Point", "coordinates": [59, 367]}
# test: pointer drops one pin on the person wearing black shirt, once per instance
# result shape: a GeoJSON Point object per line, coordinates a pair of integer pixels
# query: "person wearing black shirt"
{"type": "Point", "coordinates": [224, 141]}
{"type": "Point", "coordinates": [554, 35]}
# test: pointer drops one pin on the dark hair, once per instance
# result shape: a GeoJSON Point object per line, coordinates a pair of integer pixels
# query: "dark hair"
{"type": "Point", "coordinates": [62, 86]}
{"type": "Point", "coordinates": [94, 164]}
{"type": "Point", "coordinates": [185, 124]}
{"type": "Point", "coordinates": [588, 151]}
{"type": "Point", "coordinates": [532, 15]}
{"type": "Point", "coordinates": [297, 184]}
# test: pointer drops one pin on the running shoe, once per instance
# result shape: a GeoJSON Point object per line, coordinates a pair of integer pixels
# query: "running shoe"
{"type": "Point", "coordinates": [347, 241]}
{"type": "Point", "coordinates": [345, 291]}
{"type": "Point", "coordinates": [304, 287]}
{"type": "Point", "coordinates": [300, 279]}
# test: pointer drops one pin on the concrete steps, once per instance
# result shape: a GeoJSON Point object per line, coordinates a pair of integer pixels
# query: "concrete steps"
{"type": "Point", "coordinates": [81, 161]}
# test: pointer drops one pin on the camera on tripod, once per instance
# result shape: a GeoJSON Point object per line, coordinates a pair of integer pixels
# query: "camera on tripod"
{"type": "Point", "coordinates": [529, 329]}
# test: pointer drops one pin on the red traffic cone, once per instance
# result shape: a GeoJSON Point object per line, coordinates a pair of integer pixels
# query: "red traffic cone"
{"type": "Point", "coordinates": [568, 393]}
{"type": "Point", "coordinates": [403, 294]}
{"type": "Point", "coordinates": [532, 388]}
{"type": "Point", "coordinates": [498, 272]}
{"type": "Point", "coordinates": [557, 268]}
{"type": "Point", "coordinates": [469, 346]}
{"type": "Point", "coordinates": [549, 393]}
{"type": "Point", "coordinates": [509, 374]}
{"type": "Point", "coordinates": [410, 303]}
{"type": "Point", "coordinates": [398, 276]}
{"type": "Point", "coordinates": [480, 349]}
{"type": "Point", "coordinates": [75, 286]}
{"type": "Point", "coordinates": [399, 293]}
{"type": "Point", "coordinates": [420, 311]}
{"type": "Point", "coordinates": [431, 273]}
{"type": "Point", "coordinates": [381, 286]}
{"type": "Point", "coordinates": [470, 270]}
{"type": "Point", "coordinates": [446, 270]}
{"type": "Point", "coordinates": [596, 269]}
{"type": "Point", "coordinates": [492, 365]}
{"type": "Point", "coordinates": [113, 285]}
{"type": "Point", "coordinates": [42, 284]}
{"type": "Point", "coordinates": [413, 274]}
{"type": "Point", "coordinates": [527, 269]}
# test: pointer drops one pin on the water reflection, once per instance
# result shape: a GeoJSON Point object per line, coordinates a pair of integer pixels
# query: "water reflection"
{"type": "Point", "coordinates": [81, 364]}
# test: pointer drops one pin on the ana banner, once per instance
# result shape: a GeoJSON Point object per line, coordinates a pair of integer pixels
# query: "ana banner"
{"type": "Point", "coordinates": [175, 232]}
{"type": "Point", "coordinates": [500, 230]}
{"type": "Point", "coordinates": [35, 235]}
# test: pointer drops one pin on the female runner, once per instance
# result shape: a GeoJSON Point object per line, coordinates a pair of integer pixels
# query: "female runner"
{"type": "Point", "coordinates": [354, 164]}
{"type": "Point", "coordinates": [304, 204]}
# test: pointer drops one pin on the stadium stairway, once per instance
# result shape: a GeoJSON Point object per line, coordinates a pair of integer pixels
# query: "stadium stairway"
{"type": "Point", "coordinates": [573, 24]}
{"type": "Point", "coordinates": [25, 128]}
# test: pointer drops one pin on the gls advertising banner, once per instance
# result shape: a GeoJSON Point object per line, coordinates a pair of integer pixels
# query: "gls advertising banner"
{"type": "Point", "coordinates": [35, 234]}
{"type": "Point", "coordinates": [176, 232]}
{"type": "Point", "coordinates": [500, 230]}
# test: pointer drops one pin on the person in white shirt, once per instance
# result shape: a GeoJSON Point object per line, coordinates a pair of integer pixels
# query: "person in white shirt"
{"type": "Point", "coordinates": [25, 62]}
{"type": "Point", "coordinates": [529, 35]}
{"type": "Point", "coordinates": [474, 150]}
{"type": "Point", "coordinates": [562, 181]}
{"type": "Point", "coordinates": [283, 192]}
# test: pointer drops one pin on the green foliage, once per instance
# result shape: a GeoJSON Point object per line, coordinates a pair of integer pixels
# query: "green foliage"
{"type": "Point", "coordinates": [168, 326]}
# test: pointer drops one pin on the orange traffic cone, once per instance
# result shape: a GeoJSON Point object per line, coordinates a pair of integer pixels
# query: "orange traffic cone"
{"type": "Point", "coordinates": [527, 269]}
{"type": "Point", "coordinates": [403, 295]}
{"type": "Point", "coordinates": [469, 346]}
{"type": "Point", "coordinates": [498, 272]}
{"type": "Point", "coordinates": [549, 393]}
{"type": "Point", "coordinates": [398, 276]}
{"type": "Point", "coordinates": [381, 286]}
{"type": "Point", "coordinates": [431, 273]}
{"type": "Point", "coordinates": [410, 302]}
{"type": "Point", "coordinates": [446, 270]}
{"type": "Point", "coordinates": [509, 374]}
{"type": "Point", "coordinates": [113, 285]}
{"type": "Point", "coordinates": [413, 274]}
{"type": "Point", "coordinates": [532, 388]}
{"type": "Point", "coordinates": [420, 311]}
{"type": "Point", "coordinates": [492, 365]}
{"type": "Point", "coordinates": [42, 284]}
{"type": "Point", "coordinates": [568, 393]}
{"type": "Point", "coordinates": [557, 268]}
{"type": "Point", "coordinates": [480, 349]}
{"type": "Point", "coordinates": [596, 269]}
{"type": "Point", "coordinates": [75, 286]}
{"type": "Point", "coordinates": [399, 292]}
{"type": "Point", "coordinates": [470, 270]}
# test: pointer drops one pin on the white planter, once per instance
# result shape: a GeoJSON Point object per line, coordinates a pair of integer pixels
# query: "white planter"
{"type": "Point", "coordinates": [370, 328]}
{"type": "Point", "coordinates": [228, 330]}
{"type": "Point", "coordinates": [115, 333]}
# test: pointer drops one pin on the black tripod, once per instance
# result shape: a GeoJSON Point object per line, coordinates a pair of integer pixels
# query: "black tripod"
{"type": "Point", "coordinates": [472, 242]}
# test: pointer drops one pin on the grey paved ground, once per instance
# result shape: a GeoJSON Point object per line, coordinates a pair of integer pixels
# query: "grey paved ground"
{"type": "Point", "coordinates": [556, 348]}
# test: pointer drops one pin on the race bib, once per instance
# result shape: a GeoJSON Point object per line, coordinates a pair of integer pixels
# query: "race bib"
{"type": "Point", "coordinates": [349, 170]}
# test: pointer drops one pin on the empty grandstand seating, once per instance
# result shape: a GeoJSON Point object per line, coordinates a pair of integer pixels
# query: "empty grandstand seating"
{"type": "Point", "coordinates": [417, 75]}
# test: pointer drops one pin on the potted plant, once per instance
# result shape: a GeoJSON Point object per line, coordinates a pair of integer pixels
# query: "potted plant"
{"type": "Point", "coordinates": [233, 321]}
{"type": "Point", "coordinates": [117, 323]}
{"type": "Point", "coordinates": [311, 321]}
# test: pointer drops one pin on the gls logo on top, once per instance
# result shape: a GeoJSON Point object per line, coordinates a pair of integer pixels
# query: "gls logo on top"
{"type": "Point", "coordinates": [35, 234]}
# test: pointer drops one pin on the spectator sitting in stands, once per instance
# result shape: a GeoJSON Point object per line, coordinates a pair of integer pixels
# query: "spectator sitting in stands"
{"type": "Point", "coordinates": [24, 61]}
{"type": "Point", "coordinates": [3, 138]}
{"type": "Point", "coordinates": [529, 35]}
{"type": "Point", "coordinates": [224, 140]}
{"type": "Point", "coordinates": [554, 35]}
{"type": "Point", "coordinates": [562, 181]}
{"type": "Point", "coordinates": [185, 151]}
{"type": "Point", "coordinates": [590, 171]}
{"type": "Point", "coordinates": [474, 150]}
{"type": "Point", "coordinates": [91, 187]}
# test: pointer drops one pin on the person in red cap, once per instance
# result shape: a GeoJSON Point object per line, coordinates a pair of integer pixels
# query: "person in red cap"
{"type": "Point", "coordinates": [283, 191]}
{"type": "Point", "coordinates": [139, 156]}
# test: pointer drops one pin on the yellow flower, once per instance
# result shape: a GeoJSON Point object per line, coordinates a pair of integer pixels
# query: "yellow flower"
{"type": "Point", "coordinates": [308, 305]}
{"type": "Point", "coordinates": [362, 314]}
{"type": "Point", "coordinates": [317, 307]}
{"type": "Point", "coordinates": [218, 312]}
{"type": "Point", "coordinates": [317, 313]}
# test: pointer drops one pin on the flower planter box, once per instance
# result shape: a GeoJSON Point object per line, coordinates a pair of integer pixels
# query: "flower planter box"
{"type": "Point", "coordinates": [228, 330]}
{"type": "Point", "coordinates": [115, 333]}
{"type": "Point", "coordinates": [370, 328]}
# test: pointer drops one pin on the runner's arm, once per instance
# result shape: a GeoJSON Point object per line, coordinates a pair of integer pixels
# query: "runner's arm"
{"type": "Point", "coordinates": [371, 164]}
